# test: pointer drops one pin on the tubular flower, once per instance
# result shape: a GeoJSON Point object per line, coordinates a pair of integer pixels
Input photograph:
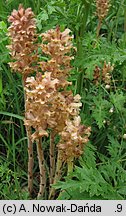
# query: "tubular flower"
{"type": "Point", "coordinates": [74, 107]}
{"type": "Point", "coordinates": [73, 138]}
{"type": "Point", "coordinates": [102, 8]}
{"type": "Point", "coordinates": [58, 46]}
{"type": "Point", "coordinates": [22, 33]}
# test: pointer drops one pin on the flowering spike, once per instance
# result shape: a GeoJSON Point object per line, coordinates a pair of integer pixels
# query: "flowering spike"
{"type": "Point", "coordinates": [58, 48]}
{"type": "Point", "coordinates": [102, 8]}
{"type": "Point", "coordinates": [104, 73]}
{"type": "Point", "coordinates": [23, 37]}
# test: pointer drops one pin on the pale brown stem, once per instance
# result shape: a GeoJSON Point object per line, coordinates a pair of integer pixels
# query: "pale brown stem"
{"type": "Point", "coordinates": [42, 168]}
{"type": "Point", "coordinates": [30, 160]}
{"type": "Point", "coordinates": [52, 157]}
{"type": "Point", "coordinates": [57, 174]}
{"type": "Point", "coordinates": [70, 164]}
{"type": "Point", "coordinates": [30, 147]}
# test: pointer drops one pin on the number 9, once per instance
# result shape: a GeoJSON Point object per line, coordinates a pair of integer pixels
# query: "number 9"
{"type": "Point", "coordinates": [119, 208]}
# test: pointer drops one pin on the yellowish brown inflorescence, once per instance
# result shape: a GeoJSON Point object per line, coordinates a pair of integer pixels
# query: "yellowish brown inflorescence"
{"type": "Point", "coordinates": [23, 47]}
{"type": "Point", "coordinates": [39, 94]}
{"type": "Point", "coordinates": [73, 138]}
{"type": "Point", "coordinates": [103, 74]}
{"type": "Point", "coordinates": [58, 46]}
{"type": "Point", "coordinates": [58, 109]}
{"type": "Point", "coordinates": [102, 8]}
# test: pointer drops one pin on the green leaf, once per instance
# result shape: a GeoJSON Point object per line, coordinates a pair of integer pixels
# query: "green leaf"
{"type": "Point", "coordinates": [3, 26]}
{"type": "Point", "coordinates": [118, 99]}
{"type": "Point", "coordinates": [12, 115]}
{"type": "Point", "coordinates": [122, 190]}
{"type": "Point", "coordinates": [100, 112]}
{"type": "Point", "coordinates": [64, 195]}
{"type": "Point", "coordinates": [68, 184]}
{"type": "Point", "coordinates": [43, 16]}
{"type": "Point", "coordinates": [89, 156]}
{"type": "Point", "coordinates": [51, 9]}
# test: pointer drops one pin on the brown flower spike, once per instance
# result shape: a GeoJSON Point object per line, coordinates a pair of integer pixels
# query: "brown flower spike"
{"type": "Point", "coordinates": [57, 45]}
{"type": "Point", "coordinates": [104, 74]}
{"type": "Point", "coordinates": [23, 50]}
{"type": "Point", "coordinates": [73, 138]}
{"type": "Point", "coordinates": [39, 92]}
{"type": "Point", "coordinates": [22, 33]}
{"type": "Point", "coordinates": [102, 8]}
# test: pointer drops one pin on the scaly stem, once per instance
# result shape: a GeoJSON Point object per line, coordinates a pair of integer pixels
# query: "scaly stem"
{"type": "Point", "coordinates": [70, 166]}
{"type": "Point", "coordinates": [52, 157]}
{"type": "Point", "coordinates": [42, 168]}
{"type": "Point", "coordinates": [30, 147]}
{"type": "Point", "coordinates": [30, 160]}
{"type": "Point", "coordinates": [57, 175]}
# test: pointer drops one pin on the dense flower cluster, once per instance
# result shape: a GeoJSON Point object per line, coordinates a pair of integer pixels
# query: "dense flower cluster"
{"type": "Point", "coordinates": [102, 8]}
{"type": "Point", "coordinates": [46, 107]}
{"type": "Point", "coordinates": [58, 46]}
{"type": "Point", "coordinates": [39, 92]}
{"type": "Point", "coordinates": [22, 33]}
{"type": "Point", "coordinates": [103, 74]}
{"type": "Point", "coordinates": [73, 138]}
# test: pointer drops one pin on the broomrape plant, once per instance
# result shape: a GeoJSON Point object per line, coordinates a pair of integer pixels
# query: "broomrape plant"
{"type": "Point", "coordinates": [22, 49]}
{"type": "Point", "coordinates": [104, 74]}
{"type": "Point", "coordinates": [50, 108]}
{"type": "Point", "coordinates": [102, 7]}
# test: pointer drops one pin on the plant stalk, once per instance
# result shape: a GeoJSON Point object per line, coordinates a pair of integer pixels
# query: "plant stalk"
{"type": "Point", "coordinates": [70, 166]}
{"type": "Point", "coordinates": [52, 157]}
{"type": "Point", "coordinates": [57, 175]}
{"type": "Point", "coordinates": [42, 168]}
{"type": "Point", "coordinates": [30, 147]}
{"type": "Point", "coordinates": [30, 160]}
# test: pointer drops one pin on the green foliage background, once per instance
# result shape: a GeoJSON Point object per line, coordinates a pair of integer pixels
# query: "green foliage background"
{"type": "Point", "coordinates": [101, 172]}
